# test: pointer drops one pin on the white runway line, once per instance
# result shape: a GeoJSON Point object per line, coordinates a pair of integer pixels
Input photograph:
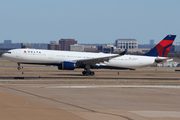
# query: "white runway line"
{"type": "Point", "coordinates": [117, 86]}
{"type": "Point", "coordinates": [153, 114]}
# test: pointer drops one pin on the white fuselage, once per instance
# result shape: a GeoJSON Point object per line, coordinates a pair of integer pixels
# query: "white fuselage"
{"type": "Point", "coordinates": [35, 56]}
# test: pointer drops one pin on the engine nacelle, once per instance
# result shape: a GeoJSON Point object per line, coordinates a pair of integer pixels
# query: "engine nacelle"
{"type": "Point", "coordinates": [67, 66]}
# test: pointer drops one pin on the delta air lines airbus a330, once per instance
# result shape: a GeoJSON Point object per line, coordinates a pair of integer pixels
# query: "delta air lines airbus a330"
{"type": "Point", "coordinates": [69, 60]}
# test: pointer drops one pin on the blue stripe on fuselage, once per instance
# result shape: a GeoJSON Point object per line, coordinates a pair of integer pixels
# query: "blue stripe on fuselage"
{"type": "Point", "coordinates": [107, 67]}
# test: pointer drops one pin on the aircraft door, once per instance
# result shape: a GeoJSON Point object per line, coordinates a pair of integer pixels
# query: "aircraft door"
{"type": "Point", "coordinates": [51, 56]}
{"type": "Point", "coordinates": [140, 60]}
{"type": "Point", "coordinates": [18, 54]}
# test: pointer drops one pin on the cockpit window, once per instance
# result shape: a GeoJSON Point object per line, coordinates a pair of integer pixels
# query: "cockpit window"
{"type": "Point", "coordinates": [8, 52]}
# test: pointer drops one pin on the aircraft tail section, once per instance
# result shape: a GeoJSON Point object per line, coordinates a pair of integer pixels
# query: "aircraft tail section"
{"type": "Point", "coordinates": [163, 47]}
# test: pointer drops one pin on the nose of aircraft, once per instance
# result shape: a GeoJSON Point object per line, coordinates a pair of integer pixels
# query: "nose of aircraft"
{"type": "Point", "coordinates": [3, 55]}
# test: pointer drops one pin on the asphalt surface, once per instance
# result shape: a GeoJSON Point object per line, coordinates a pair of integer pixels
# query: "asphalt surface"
{"type": "Point", "coordinates": [43, 93]}
{"type": "Point", "coordinates": [98, 102]}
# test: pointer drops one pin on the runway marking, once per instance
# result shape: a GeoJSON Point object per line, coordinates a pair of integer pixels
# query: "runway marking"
{"type": "Point", "coordinates": [153, 114]}
{"type": "Point", "coordinates": [161, 91]}
{"type": "Point", "coordinates": [117, 86]}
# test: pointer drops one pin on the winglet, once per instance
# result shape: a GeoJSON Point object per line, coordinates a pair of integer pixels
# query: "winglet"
{"type": "Point", "coordinates": [163, 47]}
{"type": "Point", "coordinates": [124, 52]}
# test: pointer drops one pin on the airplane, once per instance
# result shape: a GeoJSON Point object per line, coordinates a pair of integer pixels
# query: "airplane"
{"type": "Point", "coordinates": [70, 60]}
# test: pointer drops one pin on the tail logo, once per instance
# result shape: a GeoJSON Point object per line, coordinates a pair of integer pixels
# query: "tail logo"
{"type": "Point", "coordinates": [163, 47]}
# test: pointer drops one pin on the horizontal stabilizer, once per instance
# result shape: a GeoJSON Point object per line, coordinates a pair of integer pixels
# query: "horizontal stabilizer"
{"type": "Point", "coordinates": [162, 59]}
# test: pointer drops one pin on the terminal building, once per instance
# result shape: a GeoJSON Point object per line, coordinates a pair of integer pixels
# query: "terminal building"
{"type": "Point", "coordinates": [126, 43]}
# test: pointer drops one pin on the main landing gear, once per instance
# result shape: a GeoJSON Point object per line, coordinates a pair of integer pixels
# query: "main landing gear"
{"type": "Point", "coordinates": [87, 71]}
{"type": "Point", "coordinates": [18, 66]}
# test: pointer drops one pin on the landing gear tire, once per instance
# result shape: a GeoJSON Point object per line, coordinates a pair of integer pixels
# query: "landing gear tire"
{"type": "Point", "coordinates": [87, 70]}
{"type": "Point", "coordinates": [84, 72]}
{"type": "Point", "coordinates": [92, 73]}
{"type": "Point", "coordinates": [88, 73]}
{"type": "Point", "coordinates": [18, 66]}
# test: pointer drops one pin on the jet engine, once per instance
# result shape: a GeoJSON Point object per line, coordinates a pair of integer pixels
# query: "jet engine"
{"type": "Point", "coordinates": [67, 66]}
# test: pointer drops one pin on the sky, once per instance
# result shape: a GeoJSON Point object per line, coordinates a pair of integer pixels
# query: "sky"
{"type": "Point", "coordinates": [88, 21]}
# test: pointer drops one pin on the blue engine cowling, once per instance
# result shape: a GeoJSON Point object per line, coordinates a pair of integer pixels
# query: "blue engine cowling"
{"type": "Point", "coordinates": [67, 66]}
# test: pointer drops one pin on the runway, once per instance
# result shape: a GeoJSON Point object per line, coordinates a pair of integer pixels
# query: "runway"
{"type": "Point", "coordinates": [116, 102]}
{"type": "Point", "coordinates": [87, 77]}
{"type": "Point", "coordinates": [45, 93]}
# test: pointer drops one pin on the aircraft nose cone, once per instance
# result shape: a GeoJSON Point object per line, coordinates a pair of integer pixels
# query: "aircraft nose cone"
{"type": "Point", "coordinates": [3, 55]}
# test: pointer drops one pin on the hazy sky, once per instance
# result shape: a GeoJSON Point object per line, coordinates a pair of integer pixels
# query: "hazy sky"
{"type": "Point", "coordinates": [88, 21]}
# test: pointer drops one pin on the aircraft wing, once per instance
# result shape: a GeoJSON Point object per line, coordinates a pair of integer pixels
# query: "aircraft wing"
{"type": "Point", "coordinates": [94, 61]}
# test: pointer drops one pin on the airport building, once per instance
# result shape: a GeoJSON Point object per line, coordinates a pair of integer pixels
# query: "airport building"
{"type": "Point", "coordinates": [90, 48]}
{"type": "Point", "coordinates": [172, 50]}
{"type": "Point", "coordinates": [76, 47]}
{"type": "Point", "coordinates": [54, 46]}
{"type": "Point", "coordinates": [168, 64]}
{"type": "Point", "coordinates": [65, 43]}
{"type": "Point", "coordinates": [106, 48]}
{"type": "Point", "coordinates": [126, 43]}
{"type": "Point", "coordinates": [8, 41]}
{"type": "Point", "coordinates": [26, 45]}
{"type": "Point", "coordinates": [52, 42]}
{"type": "Point", "coordinates": [151, 42]}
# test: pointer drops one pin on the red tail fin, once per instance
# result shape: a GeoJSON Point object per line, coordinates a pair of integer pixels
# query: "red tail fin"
{"type": "Point", "coordinates": [163, 47]}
